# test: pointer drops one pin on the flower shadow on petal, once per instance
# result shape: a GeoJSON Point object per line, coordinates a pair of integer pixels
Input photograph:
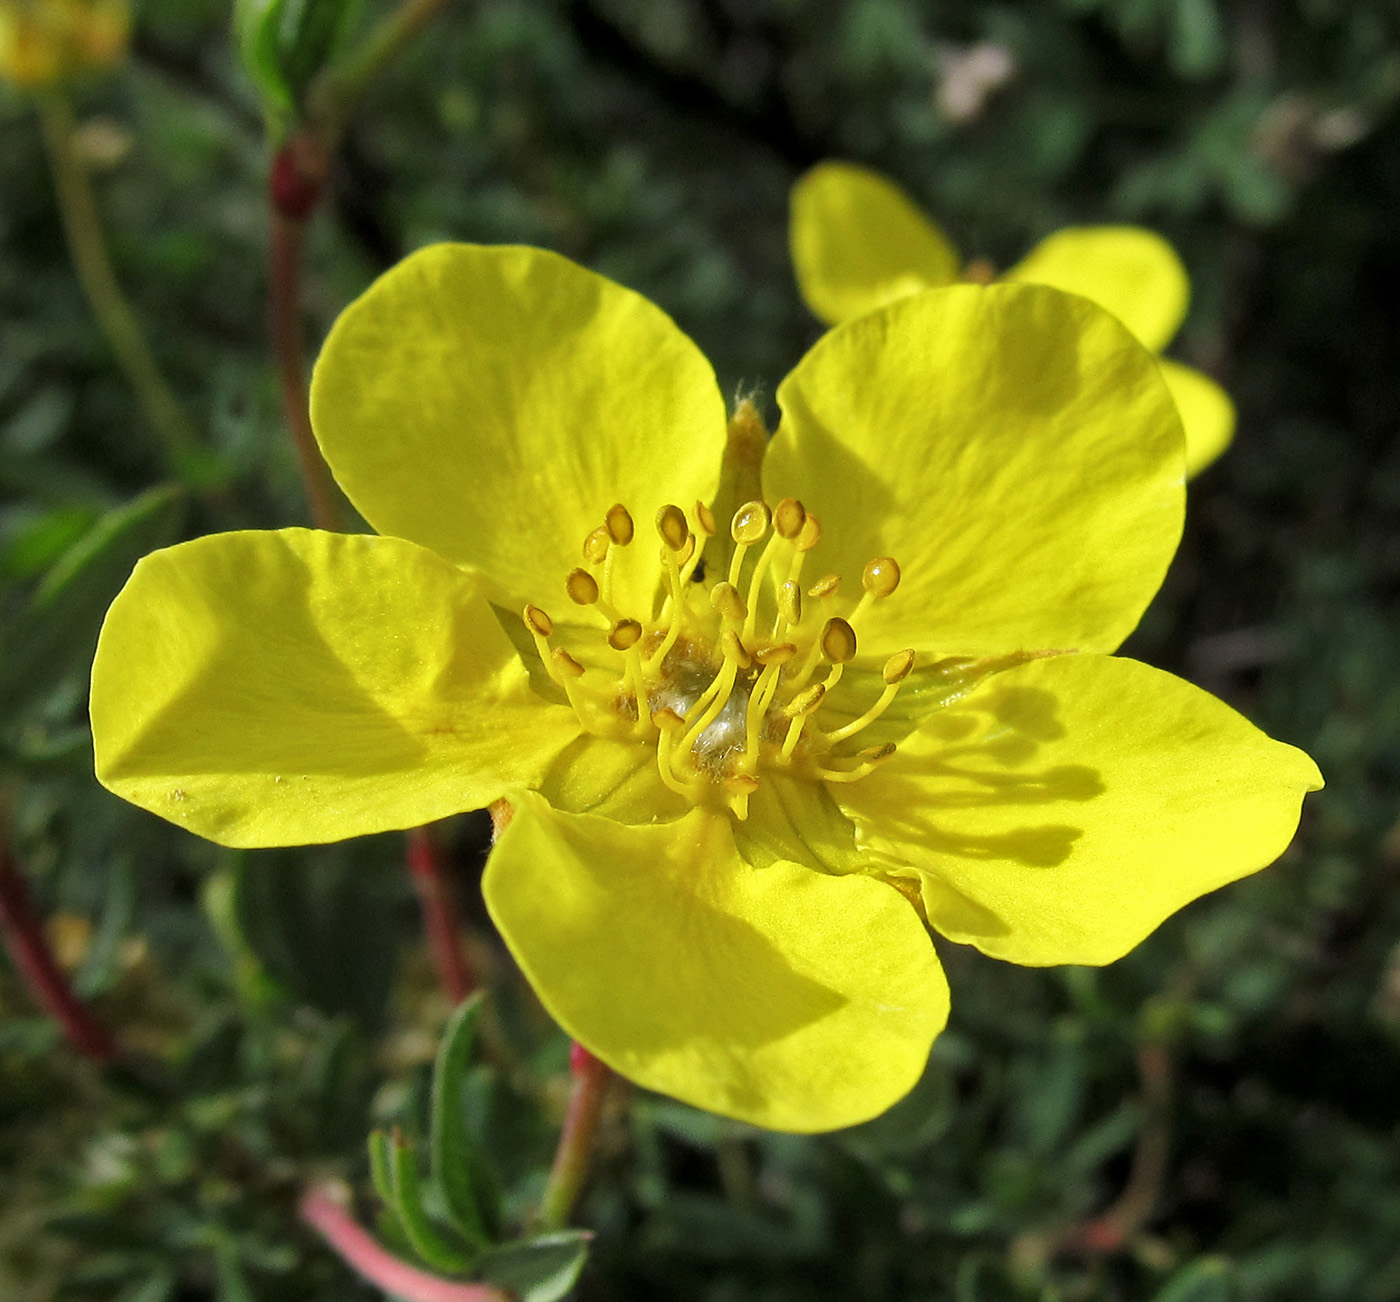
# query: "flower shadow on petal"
{"type": "Point", "coordinates": [979, 756]}
{"type": "Point", "coordinates": [268, 699]}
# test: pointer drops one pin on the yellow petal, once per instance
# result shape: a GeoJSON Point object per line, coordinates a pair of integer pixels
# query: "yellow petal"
{"type": "Point", "coordinates": [858, 242]}
{"type": "Point", "coordinates": [1068, 806]}
{"type": "Point", "coordinates": [493, 403]}
{"type": "Point", "coordinates": [292, 687]}
{"type": "Point", "coordinates": [1207, 414]}
{"type": "Point", "coordinates": [1132, 272]}
{"type": "Point", "coordinates": [1012, 447]}
{"type": "Point", "coordinates": [776, 995]}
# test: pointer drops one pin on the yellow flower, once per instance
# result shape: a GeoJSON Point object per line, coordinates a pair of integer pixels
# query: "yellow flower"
{"type": "Point", "coordinates": [43, 42]}
{"type": "Point", "coordinates": [858, 242]}
{"type": "Point", "coordinates": [738, 790]}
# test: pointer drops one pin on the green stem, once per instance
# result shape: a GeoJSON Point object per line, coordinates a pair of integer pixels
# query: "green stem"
{"type": "Point", "coordinates": [566, 1176]}
{"type": "Point", "coordinates": [336, 91]}
{"type": "Point", "coordinates": [86, 245]}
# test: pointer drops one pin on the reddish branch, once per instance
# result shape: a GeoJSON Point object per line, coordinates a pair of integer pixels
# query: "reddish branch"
{"type": "Point", "coordinates": [34, 961]}
{"type": "Point", "coordinates": [1113, 1229]}
{"type": "Point", "coordinates": [429, 874]}
{"type": "Point", "coordinates": [323, 1209]}
{"type": "Point", "coordinates": [566, 1176]}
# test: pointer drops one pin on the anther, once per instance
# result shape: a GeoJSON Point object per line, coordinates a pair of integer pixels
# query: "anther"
{"type": "Point", "coordinates": [810, 534]}
{"type": "Point", "coordinates": [897, 667]}
{"type": "Point", "coordinates": [567, 664]}
{"type": "Point", "coordinates": [750, 523]}
{"type": "Point", "coordinates": [618, 523]}
{"type": "Point", "coordinates": [731, 648]}
{"type": "Point", "coordinates": [582, 587]}
{"type": "Point", "coordinates": [896, 670]}
{"type": "Point", "coordinates": [668, 720]}
{"type": "Point", "coordinates": [790, 603]}
{"type": "Point", "coordinates": [672, 526]}
{"type": "Point", "coordinates": [805, 702]}
{"type": "Point", "coordinates": [881, 576]}
{"type": "Point", "coordinates": [725, 598]}
{"type": "Point", "coordinates": [742, 784]}
{"type": "Point", "coordinates": [775, 655]}
{"type": "Point", "coordinates": [623, 635]}
{"type": "Point", "coordinates": [800, 708]}
{"type": "Point", "coordinates": [826, 587]}
{"type": "Point", "coordinates": [869, 759]}
{"type": "Point", "coordinates": [595, 546]}
{"type": "Point", "coordinates": [838, 641]}
{"type": "Point", "coordinates": [705, 518]}
{"type": "Point", "coordinates": [788, 518]}
{"type": "Point", "coordinates": [541, 626]}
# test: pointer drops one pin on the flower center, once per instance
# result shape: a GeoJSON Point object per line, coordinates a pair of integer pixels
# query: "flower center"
{"type": "Point", "coordinates": [727, 678]}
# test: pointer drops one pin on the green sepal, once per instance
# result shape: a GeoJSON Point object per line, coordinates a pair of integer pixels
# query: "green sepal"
{"type": "Point", "coordinates": [460, 1174]}
{"type": "Point", "coordinates": [542, 1268]}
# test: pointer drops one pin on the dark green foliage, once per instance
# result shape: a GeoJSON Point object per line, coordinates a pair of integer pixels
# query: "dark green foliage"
{"type": "Point", "coordinates": [280, 1003]}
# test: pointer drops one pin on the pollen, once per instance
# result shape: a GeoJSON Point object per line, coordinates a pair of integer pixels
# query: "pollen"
{"type": "Point", "coordinates": [728, 681]}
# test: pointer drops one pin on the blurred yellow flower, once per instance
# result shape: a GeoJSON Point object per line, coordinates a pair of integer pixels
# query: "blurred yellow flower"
{"type": "Point", "coordinates": [43, 42]}
{"type": "Point", "coordinates": [749, 757]}
{"type": "Point", "coordinates": [858, 241]}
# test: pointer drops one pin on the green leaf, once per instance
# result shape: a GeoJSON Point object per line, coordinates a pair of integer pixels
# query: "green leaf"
{"type": "Point", "coordinates": [461, 1175]}
{"type": "Point", "coordinates": [539, 1269]}
{"type": "Point", "coordinates": [407, 1192]}
{"type": "Point", "coordinates": [1205, 1280]}
{"type": "Point", "coordinates": [257, 28]}
{"type": "Point", "coordinates": [284, 44]}
{"type": "Point", "coordinates": [314, 32]}
{"type": "Point", "coordinates": [56, 632]}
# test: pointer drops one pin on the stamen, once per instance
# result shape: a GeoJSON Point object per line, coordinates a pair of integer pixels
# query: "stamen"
{"type": "Point", "coordinates": [789, 608]}
{"type": "Point", "coordinates": [772, 659]}
{"type": "Point", "coordinates": [765, 562]}
{"type": "Point", "coordinates": [838, 644]}
{"type": "Point", "coordinates": [725, 598]}
{"type": "Point", "coordinates": [749, 526]}
{"type": "Point", "coordinates": [689, 558]}
{"type": "Point", "coordinates": [624, 635]}
{"type": "Point", "coordinates": [807, 538]}
{"type": "Point", "coordinates": [716, 696]}
{"type": "Point", "coordinates": [879, 578]}
{"type": "Point", "coordinates": [896, 670]}
{"type": "Point", "coordinates": [671, 525]}
{"type": "Point", "coordinates": [596, 547]}
{"type": "Point", "coordinates": [671, 725]}
{"type": "Point", "coordinates": [567, 672]}
{"type": "Point", "coordinates": [870, 759]}
{"type": "Point", "coordinates": [541, 627]}
{"type": "Point", "coordinates": [582, 587]}
{"type": "Point", "coordinates": [741, 786]}
{"type": "Point", "coordinates": [801, 708]}
{"type": "Point", "coordinates": [618, 523]}
{"type": "Point", "coordinates": [788, 518]}
{"type": "Point", "coordinates": [824, 588]}
{"type": "Point", "coordinates": [705, 518]}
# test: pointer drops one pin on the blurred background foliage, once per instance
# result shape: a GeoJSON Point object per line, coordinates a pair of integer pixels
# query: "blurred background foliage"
{"type": "Point", "coordinates": [1236, 1076]}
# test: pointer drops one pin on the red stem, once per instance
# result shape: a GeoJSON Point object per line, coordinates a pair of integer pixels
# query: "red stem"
{"type": "Point", "coordinates": [591, 1078]}
{"type": "Point", "coordinates": [429, 874]}
{"type": "Point", "coordinates": [324, 1211]}
{"type": "Point", "coordinates": [295, 185]}
{"type": "Point", "coordinates": [34, 961]}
